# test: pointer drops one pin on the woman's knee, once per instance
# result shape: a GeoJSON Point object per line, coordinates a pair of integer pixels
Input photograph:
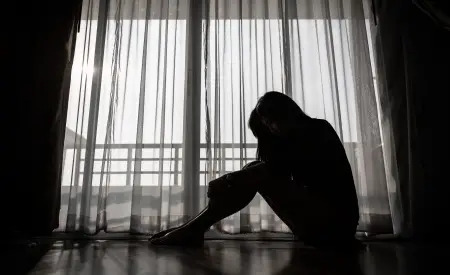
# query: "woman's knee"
{"type": "Point", "coordinates": [218, 187]}
{"type": "Point", "coordinates": [228, 196]}
{"type": "Point", "coordinates": [250, 164]}
{"type": "Point", "coordinates": [230, 186]}
{"type": "Point", "coordinates": [239, 182]}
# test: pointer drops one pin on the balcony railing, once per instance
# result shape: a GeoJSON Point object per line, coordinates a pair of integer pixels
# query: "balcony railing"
{"type": "Point", "coordinates": [164, 159]}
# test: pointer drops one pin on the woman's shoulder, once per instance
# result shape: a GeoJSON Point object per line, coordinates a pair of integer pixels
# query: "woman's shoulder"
{"type": "Point", "coordinates": [321, 125]}
{"type": "Point", "coordinates": [316, 131]}
{"type": "Point", "coordinates": [320, 122]}
{"type": "Point", "coordinates": [324, 131]}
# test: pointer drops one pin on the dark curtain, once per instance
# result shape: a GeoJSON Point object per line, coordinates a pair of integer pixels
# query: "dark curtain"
{"type": "Point", "coordinates": [414, 45]}
{"type": "Point", "coordinates": [35, 58]}
{"type": "Point", "coordinates": [437, 10]}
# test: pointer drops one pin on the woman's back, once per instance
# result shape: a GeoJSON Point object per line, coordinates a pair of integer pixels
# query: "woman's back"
{"type": "Point", "coordinates": [323, 169]}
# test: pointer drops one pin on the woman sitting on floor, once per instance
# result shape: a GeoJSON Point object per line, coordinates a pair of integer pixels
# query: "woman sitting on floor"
{"type": "Point", "coordinates": [302, 172]}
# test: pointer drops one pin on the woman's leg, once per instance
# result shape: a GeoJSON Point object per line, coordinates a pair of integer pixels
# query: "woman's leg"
{"type": "Point", "coordinates": [227, 195]}
{"type": "Point", "coordinates": [232, 192]}
{"type": "Point", "coordinates": [286, 198]}
{"type": "Point", "coordinates": [309, 216]}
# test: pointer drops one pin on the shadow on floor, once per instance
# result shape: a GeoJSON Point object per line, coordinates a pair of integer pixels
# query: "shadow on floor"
{"type": "Point", "coordinates": [21, 255]}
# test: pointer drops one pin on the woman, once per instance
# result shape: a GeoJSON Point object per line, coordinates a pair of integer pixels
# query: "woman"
{"type": "Point", "coordinates": [302, 172]}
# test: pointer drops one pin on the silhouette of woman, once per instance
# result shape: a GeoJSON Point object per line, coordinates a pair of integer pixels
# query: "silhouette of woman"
{"type": "Point", "coordinates": [302, 172]}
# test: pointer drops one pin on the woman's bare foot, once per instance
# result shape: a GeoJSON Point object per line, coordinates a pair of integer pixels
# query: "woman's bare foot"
{"type": "Point", "coordinates": [162, 233]}
{"type": "Point", "coordinates": [179, 236]}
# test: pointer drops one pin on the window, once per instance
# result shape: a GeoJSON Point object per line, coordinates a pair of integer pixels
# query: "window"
{"type": "Point", "coordinates": [161, 94]}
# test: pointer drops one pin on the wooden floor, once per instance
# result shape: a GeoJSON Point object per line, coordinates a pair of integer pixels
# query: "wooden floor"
{"type": "Point", "coordinates": [236, 257]}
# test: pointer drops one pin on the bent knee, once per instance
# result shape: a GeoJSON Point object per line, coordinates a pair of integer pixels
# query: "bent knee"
{"type": "Point", "coordinates": [250, 164]}
{"type": "Point", "coordinates": [218, 187]}
{"type": "Point", "coordinates": [228, 186]}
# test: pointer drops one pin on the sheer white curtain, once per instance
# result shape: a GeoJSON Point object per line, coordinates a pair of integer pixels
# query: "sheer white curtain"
{"type": "Point", "coordinates": [161, 92]}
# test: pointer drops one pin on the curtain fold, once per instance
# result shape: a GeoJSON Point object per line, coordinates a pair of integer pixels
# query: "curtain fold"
{"type": "Point", "coordinates": [163, 93]}
{"type": "Point", "coordinates": [36, 61]}
{"type": "Point", "coordinates": [439, 11]}
{"type": "Point", "coordinates": [412, 43]}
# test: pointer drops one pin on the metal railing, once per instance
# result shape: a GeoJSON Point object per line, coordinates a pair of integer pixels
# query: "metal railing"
{"type": "Point", "coordinates": [225, 157]}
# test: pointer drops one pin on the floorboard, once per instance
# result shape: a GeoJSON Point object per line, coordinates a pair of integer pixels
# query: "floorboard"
{"type": "Point", "coordinates": [236, 257]}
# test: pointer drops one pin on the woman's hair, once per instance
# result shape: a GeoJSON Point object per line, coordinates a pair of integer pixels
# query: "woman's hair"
{"type": "Point", "coordinates": [275, 122]}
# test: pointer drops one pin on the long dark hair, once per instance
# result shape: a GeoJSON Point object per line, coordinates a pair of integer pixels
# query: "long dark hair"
{"type": "Point", "coordinates": [276, 122]}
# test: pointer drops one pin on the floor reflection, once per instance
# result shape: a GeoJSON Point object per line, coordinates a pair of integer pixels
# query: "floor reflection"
{"type": "Point", "coordinates": [235, 257]}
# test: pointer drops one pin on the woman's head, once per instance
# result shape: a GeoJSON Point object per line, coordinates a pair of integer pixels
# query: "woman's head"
{"type": "Point", "coordinates": [274, 121]}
